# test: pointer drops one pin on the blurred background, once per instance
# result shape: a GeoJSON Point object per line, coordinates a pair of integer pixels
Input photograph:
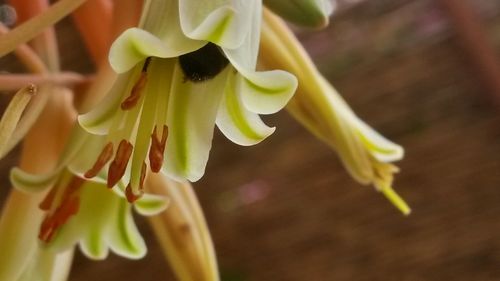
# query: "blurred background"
{"type": "Point", "coordinates": [425, 73]}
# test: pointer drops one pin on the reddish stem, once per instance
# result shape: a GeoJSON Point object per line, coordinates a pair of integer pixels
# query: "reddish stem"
{"type": "Point", "coordinates": [93, 20]}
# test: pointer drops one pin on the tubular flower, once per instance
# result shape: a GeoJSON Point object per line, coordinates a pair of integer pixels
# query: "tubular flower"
{"type": "Point", "coordinates": [189, 65]}
{"type": "Point", "coordinates": [366, 154]}
{"type": "Point", "coordinates": [183, 232]}
{"type": "Point", "coordinates": [84, 211]}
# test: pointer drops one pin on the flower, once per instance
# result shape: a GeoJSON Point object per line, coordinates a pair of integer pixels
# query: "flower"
{"type": "Point", "coordinates": [190, 65]}
{"type": "Point", "coordinates": [84, 211]}
{"type": "Point", "coordinates": [366, 154]}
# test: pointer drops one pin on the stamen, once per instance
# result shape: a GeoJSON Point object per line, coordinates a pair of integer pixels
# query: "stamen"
{"type": "Point", "coordinates": [135, 94]}
{"type": "Point", "coordinates": [119, 164]}
{"type": "Point", "coordinates": [72, 187]}
{"type": "Point", "coordinates": [131, 197]}
{"type": "Point", "coordinates": [53, 222]}
{"type": "Point", "coordinates": [47, 229]}
{"type": "Point", "coordinates": [104, 157]}
{"type": "Point", "coordinates": [48, 200]}
{"type": "Point", "coordinates": [157, 149]}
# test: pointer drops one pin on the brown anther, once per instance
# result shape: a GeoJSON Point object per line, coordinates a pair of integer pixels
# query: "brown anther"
{"type": "Point", "coordinates": [129, 193]}
{"type": "Point", "coordinates": [67, 209]}
{"type": "Point", "coordinates": [48, 200]}
{"type": "Point", "coordinates": [135, 94]}
{"type": "Point", "coordinates": [157, 149]}
{"type": "Point", "coordinates": [72, 187]}
{"type": "Point", "coordinates": [102, 160]}
{"type": "Point", "coordinates": [52, 223]}
{"type": "Point", "coordinates": [117, 167]}
{"type": "Point", "coordinates": [47, 229]}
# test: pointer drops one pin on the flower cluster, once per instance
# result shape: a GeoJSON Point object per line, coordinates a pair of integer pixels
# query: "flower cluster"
{"type": "Point", "coordinates": [189, 66]}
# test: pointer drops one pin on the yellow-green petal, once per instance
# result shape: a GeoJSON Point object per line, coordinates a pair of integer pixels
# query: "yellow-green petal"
{"type": "Point", "coordinates": [223, 22]}
{"type": "Point", "coordinates": [236, 122]}
{"type": "Point", "coordinates": [191, 118]}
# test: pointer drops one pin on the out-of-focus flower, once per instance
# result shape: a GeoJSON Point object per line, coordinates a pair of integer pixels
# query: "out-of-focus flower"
{"type": "Point", "coordinates": [189, 66]}
{"type": "Point", "coordinates": [365, 153]}
{"type": "Point", "coordinates": [84, 211]}
{"type": "Point", "coordinates": [309, 13]}
{"type": "Point", "coordinates": [183, 232]}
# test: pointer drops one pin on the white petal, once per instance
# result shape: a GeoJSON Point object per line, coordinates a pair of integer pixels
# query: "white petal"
{"type": "Point", "coordinates": [125, 239]}
{"type": "Point", "coordinates": [29, 183]}
{"type": "Point", "coordinates": [89, 227]}
{"type": "Point", "coordinates": [191, 119]}
{"type": "Point", "coordinates": [235, 121]}
{"type": "Point", "coordinates": [245, 56]}
{"type": "Point", "coordinates": [262, 92]}
{"type": "Point", "coordinates": [93, 244]}
{"type": "Point", "coordinates": [150, 205]}
{"type": "Point", "coordinates": [380, 147]}
{"type": "Point", "coordinates": [134, 45]}
{"type": "Point", "coordinates": [224, 22]}
{"type": "Point", "coordinates": [267, 92]}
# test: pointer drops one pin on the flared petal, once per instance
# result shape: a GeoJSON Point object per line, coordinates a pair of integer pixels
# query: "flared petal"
{"type": "Point", "coordinates": [380, 147]}
{"type": "Point", "coordinates": [224, 22]}
{"type": "Point", "coordinates": [104, 222]}
{"type": "Point", "coordinates": [93, 244]}
{"type": "Point", "coordinates": [149, 204]}
{"type": "Point", "coordinates": [28, 182]}
{"type": "Point", "coordinates": [124, 237]}
{"type": "Point", "coordinates": [235, 121]}
{"type": "Point", "coordinates": [261, 92]}
{"type": "Point", "coordinates": [191, 118]}
{"type": "Point", "coordinates": [134, 45]}
{"type": "Point", "coordinates": [267, 92]}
